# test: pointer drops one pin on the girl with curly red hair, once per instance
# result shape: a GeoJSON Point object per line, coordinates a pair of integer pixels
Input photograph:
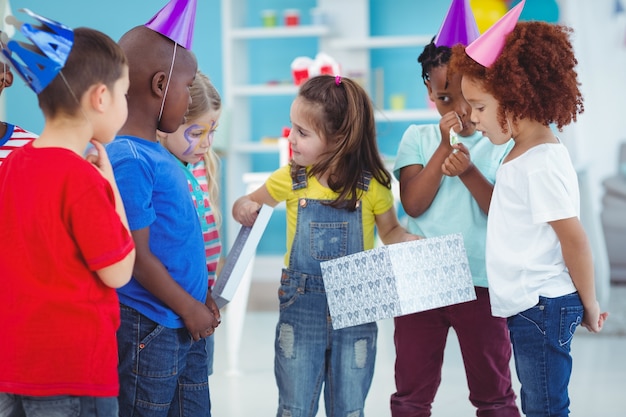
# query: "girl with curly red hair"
{"type": "Point", "coordinates": [539, 262]}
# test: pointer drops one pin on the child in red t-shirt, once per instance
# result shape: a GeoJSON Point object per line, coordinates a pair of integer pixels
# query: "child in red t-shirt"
{"type": "Point", "coordinates": [64, 239]}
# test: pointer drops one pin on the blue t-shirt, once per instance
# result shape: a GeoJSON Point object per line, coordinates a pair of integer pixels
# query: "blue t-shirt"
{"type": "Point", "coordinates": [453, 209]}
{"type": "Point", "coordinates": [156, 195]}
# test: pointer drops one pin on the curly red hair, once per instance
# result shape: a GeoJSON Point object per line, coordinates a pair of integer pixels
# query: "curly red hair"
{"type": "Point", "coordinates": [533, 78]}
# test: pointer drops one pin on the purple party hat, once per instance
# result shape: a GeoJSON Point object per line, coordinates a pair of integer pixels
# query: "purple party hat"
{"type": "Point", "coordinates": [459, 25]}
{"type": "Point", "coordinates": [40, 62]}
{"type": "Point", "coordinates": [488, 47]}
{"type": "Point", "coordinates": [176, 21]}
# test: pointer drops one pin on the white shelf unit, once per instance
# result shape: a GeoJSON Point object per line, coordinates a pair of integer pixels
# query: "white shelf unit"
{"type": "Point", "coordinates": [345, 36]}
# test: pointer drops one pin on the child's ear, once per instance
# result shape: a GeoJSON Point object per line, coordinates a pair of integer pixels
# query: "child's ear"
{"type": "Point", "coordinates": [159, 83]}
{"type": "Point", "coordinates": [98, 97]}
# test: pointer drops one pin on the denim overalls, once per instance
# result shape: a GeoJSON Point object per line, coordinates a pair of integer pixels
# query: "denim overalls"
{"type": "Point", "coordinates": [308, 352]}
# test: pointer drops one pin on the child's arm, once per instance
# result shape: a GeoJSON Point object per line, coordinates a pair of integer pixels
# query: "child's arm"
{"type": "Point", "coordinates": [153, 276]}
{"type": "Point", "coordinates": [579, 262]}
{"type": "Point", "coordinates": [118, 274]}
{"type": "Point", "coordinates": [419, 183]}
{"type": "Point", "coordinates": [100, 160]}
{"type": "Point", "coordinates": [246, 209]}
{"type": "Point", "coordinates": [459, 164]}
{"type": "Point", "coordinates": [390, 230]}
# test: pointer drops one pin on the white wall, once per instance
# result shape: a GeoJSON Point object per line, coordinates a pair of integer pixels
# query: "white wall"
{"type": "Point", "coordinates": [600, 44]}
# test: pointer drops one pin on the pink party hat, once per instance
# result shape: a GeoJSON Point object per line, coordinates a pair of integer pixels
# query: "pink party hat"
{"type": "Point", "coordinates": [176, 21]}
{"type": "Point", "coordinates": [488, 47]}
{"type": "Point", "coordinates": [459, 25]}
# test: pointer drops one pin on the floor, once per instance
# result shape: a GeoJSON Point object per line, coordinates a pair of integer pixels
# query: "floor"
{"type": "Point", "coordinates": [247, 388]}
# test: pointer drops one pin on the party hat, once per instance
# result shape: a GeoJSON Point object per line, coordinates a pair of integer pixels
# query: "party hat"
{"type": "Point", "coordinates": [488, 47]}
{"type": "Point", "coordinates": [176, 21]}
{"type": "Point", "coordinates": [40, 62]}
{"type": "Point", "coordinates": [459, 25]}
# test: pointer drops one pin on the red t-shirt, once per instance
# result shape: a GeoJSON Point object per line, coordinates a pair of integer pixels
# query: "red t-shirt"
{"type": "Point", "coordinates": [57, 318]}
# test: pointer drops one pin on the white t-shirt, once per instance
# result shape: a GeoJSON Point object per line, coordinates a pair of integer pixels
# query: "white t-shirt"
{"type": "Point", "coordinates": [524, 256]}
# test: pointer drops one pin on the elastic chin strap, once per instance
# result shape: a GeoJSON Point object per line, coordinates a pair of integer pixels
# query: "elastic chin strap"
{"type": "Point", "coordinates": [167, 85]}
{"type": "Point", "coordinates": [74, 96]}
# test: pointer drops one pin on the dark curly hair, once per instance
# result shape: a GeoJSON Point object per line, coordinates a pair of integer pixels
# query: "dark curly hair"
{"type": "Point", "coordinates": [433, 57]}
{"type": "Point", "coordinates": [533, 78]}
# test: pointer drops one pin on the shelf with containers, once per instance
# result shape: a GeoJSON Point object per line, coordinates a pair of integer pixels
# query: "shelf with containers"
{"type": "Point", "coordinates": [257, 95]}
{"type": "Point", "coordinates": [258, 90]}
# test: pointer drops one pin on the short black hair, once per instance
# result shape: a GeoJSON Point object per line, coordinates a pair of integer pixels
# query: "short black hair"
{"type": "Point", "coordinates": [432, 57]}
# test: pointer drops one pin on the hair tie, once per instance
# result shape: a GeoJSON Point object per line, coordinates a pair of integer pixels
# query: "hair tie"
{"type": "Point", "coordinates": [338, 80]}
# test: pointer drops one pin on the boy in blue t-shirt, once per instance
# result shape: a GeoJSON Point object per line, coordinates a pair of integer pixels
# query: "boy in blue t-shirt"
{"type": "Point", "coordinates": [166, 310]}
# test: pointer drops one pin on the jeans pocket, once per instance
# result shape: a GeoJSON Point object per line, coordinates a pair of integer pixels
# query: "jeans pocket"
{"type": "Point", "coordinates": [54, 406]}
{"type": "Point", "coordinates": [329, 240]}
{"type": "Point", "coordinates": [157, 353]}
{"type": "Point", "coordinates": [571, 318]}
{"type": "Point", "coordinates": [287, 293]}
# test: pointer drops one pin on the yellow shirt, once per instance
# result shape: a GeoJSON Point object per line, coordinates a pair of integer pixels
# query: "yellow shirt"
{"type": "Point", "coordinates": [377, 200]}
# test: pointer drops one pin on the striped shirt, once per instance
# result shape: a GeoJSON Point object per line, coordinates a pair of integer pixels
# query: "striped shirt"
{"type": "Point", "coordinates": [15, 137]}
{"type": "Point", "coordinates": [210, 233]}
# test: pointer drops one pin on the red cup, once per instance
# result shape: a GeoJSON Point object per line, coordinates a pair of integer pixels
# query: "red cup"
{"type": "Point", "coordinates": [300, 75]}
{"type": "Point", "coordinates": [292, 17]}
{"type": "Point", "coordinates": [327, 69]}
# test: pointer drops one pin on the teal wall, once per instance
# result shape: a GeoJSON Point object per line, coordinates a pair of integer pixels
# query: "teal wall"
{"type": "Point", "coordinates": [402, 72]}
{"type": "Point", "coordinates": [113, 17]}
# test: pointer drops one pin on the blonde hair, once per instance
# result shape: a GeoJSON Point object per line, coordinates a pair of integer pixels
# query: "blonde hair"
{"type": "Point", "coordinates": [204, 98]}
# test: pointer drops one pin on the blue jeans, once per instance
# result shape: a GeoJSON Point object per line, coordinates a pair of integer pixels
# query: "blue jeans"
{"type": "Point", "coordinates": [57, 406]}
{"type": "Point", "coordinates": [309, 354]}
{"type": "Point", "coordinates": [163, 372]}
{"type": "Point", "coordinates": [210, 349]}
{"type": "Point", "coordinates": [542, 338]}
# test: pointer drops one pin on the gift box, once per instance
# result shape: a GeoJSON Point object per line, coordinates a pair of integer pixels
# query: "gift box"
{"type": "Point", "coordinates": [397, 279]}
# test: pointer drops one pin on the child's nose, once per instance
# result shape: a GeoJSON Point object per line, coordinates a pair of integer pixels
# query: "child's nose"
{"type": "Point", "coordinates": [464, 110]}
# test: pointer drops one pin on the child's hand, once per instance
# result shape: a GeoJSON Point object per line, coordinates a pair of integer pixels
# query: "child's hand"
{"type": "Point", "coordinates": [98, 157]}
{"type": "Point", "coordinates": [593, 320]}
{"type": "Point", "coordinates": [210, 303]}
{"type": "Point", "coordinates": [449, 121]}
{"type": "Point", "coordinates": [410, 236]}
{"type": "Point", "coordinates": [457, 162]}
{"type": "Point", "coordinates": [247, 212]}
{"type": "Point", "coordinates": [200, 321]}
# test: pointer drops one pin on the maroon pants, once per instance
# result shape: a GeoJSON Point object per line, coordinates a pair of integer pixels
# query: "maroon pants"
{"type": "Point", "coordinates": [420, 341]}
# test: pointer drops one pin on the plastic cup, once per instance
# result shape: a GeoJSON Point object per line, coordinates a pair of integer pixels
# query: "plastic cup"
{"type": "Point", "coordinates": [292, 17]}
{"type": "Point", "coordinates": [269, 18]}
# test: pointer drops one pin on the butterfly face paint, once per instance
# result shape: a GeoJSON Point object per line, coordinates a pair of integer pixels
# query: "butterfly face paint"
{"type": "Point", "coordinates": [199, 136]}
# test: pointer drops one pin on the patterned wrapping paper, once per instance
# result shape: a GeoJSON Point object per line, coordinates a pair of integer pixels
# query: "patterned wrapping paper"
{"type": "Point", "coordinates": [397, 279]}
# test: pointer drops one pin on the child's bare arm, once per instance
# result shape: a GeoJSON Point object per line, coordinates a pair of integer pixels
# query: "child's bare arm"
{"type": "Point", "coordinates": [118, 274]}
{"type": "Point", "coordinates": [419, 184]}
{"type": "Point", "coordinates": [100, 160]}
{"type": "Point", "coordinates": [390, 230]}
{"type": "Point", "coordinates": [246, 209]}
{"type": "Point", "coordinates": [579, 262]}
{"type": "Point", "coordinates": [153, 276]}
{"type": "Point", "coordinates": [459, 164]}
